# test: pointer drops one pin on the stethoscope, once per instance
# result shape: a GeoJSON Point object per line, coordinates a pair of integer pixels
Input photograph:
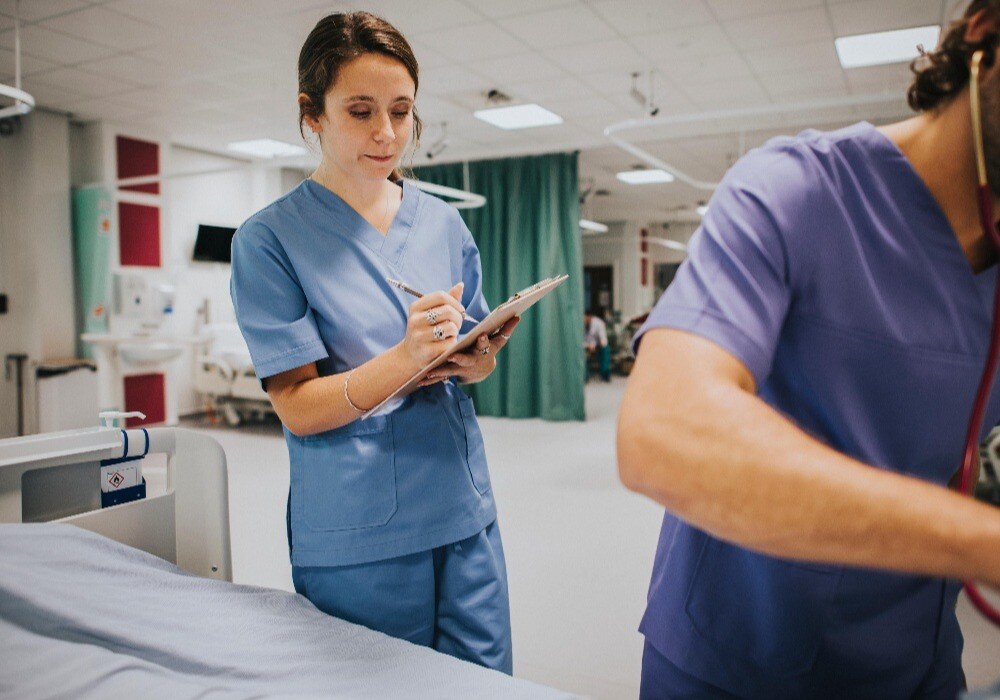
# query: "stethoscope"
{"type": "Point", "coordinates": [992, 233]}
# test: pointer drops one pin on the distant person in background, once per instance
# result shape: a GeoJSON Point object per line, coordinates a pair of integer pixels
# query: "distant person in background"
{"type": "Point", "coordinates": [596, 342]}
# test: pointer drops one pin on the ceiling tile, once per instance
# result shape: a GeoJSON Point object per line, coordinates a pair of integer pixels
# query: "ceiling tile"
{"type": "Point", "coordinates": [447, 79]}
{"type": "Point", "coordinates": [426, 56]}
{"type": "Point", "coordinates": [35, 10]}
{"type": "Point", "coordinates": [544, 91]}
{"type": "Point", "coordinates": [431, 17]}
{"type": "Point", "coordinates": [877, 16]}
{"type": "Point", "coordinates": [596, 56]}
{"type": "Point", "coordinates": [563, 26]}
{"type": "Point", "coordinates": [181, 60]}
{"type": "Point", "coordinates": [53, 96]}
{"type": "Point", "coordinates": [508, 8]}
{"type": "Point", "coordinates": [473, 42]}
{"type": "Point", "coordinates": [736, 9]}
{"type": "Point", "coordinates": [714, 68]}
{"type": "Point", "coordinates": [795, 27]}
{"type": "Point", "coordinates": [682, 44]}
{"type": "Point", "coordinates": [819, 55]}
{"type": "Point", "coordinates": [90, 84]}
{"type": "Point", "coordinates": [100, 26]}
{"type": "Point", "coordinates": [646, 16]}
{"type": "Point", "coordinates": [181, 15]}
{"type": "Point", "coordinates": [728, 94]}
{"type": "Point", "coordinates": [888, 78]}
{"type": "Point", "coordinates": [104, 108]}
{"type": "Point", "coordinates": [135, 69]}
{"type": "Point", "coordinates": [516, 69]}
{"type": "Point", "coordinates": [54, 46]}
{"type": "Point", "coordinates": [29, 64]}
{"type": "Point", "coordinates": [805, 84]}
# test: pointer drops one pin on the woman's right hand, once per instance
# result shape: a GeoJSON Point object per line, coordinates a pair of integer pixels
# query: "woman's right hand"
{"type": "Point", "coordinates": [440, 310]}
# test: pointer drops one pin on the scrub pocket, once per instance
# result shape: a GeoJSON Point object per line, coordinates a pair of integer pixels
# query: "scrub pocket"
{"type": "Point", "coordinates": [475, 450]}
{"type": "Point", "coordinates": [763, 611]}
{"type": "Point", "coordinates": [349, 476]}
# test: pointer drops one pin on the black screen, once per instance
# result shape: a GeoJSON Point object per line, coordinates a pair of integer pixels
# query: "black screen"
{"type": "Point", "coordinates": [214, 244]}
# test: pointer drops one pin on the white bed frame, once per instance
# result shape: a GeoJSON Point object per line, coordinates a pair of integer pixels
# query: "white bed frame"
{"type": "Point", "coordinates": [55, 477]}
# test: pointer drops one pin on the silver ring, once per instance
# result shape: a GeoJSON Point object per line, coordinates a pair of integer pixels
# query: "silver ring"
{"type": "Point", "coordinates": [485, 351]}
{"type": "Point", "coordinates": [432, 317]}
{"type": "Point", "coordinates": [438, 333]}
{"type": "Point", "coordinates": [505, 337]}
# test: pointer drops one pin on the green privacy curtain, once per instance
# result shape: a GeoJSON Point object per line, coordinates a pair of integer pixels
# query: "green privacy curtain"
{"type": "Point", "coordinates": [529, 230]}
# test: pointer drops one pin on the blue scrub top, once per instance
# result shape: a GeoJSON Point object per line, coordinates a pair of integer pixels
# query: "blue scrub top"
{"type": "Point", "coordinates": [309, 285]}
{"type": "Point", "coordinates": [826, 266]}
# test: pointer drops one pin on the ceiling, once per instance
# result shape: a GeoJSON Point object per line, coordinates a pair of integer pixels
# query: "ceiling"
{"type": "Point", "coordinates": [209, 72]}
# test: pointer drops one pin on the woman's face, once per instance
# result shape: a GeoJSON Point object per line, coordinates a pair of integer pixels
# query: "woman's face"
{"type": "Point", "coordinates": [367, 117]}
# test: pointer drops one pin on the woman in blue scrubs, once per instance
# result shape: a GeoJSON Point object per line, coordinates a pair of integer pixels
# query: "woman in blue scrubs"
{"type": "Point", "coordinates": [391, 519]}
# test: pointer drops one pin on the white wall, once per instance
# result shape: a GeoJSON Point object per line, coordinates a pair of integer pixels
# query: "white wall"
{"type": "Point", "coordinates": [619, 248]}
{"type": "Point", "coordinates": [221, 199]}
{"type": "Point", "coordinates": [36, 251]}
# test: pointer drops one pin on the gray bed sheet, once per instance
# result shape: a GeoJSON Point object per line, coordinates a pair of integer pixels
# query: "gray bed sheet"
{"type": "Point", "coordinates": [82, 616]}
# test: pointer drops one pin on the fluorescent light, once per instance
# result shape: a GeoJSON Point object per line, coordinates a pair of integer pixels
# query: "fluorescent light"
{"type": "Point", "coordinates": [702, 210]}
{"type": "Point", "coordinates": [266, 148]}
{"type": "Point", "coordinates": [669, 243]}
{"type": "Point", "coordinates": [595, 226]}
{"type": "Point", "coordinates": [645, 177]}
{"type": "Point", "coordinates": [518, 116]}
{"type": "Point", "coordinates": [881, 48]}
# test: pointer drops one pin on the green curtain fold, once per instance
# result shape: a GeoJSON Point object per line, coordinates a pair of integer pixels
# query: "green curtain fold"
{"type": "Point", "coordinates": [529, 230]}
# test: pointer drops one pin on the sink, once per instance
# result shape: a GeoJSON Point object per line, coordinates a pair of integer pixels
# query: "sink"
{"type": "Point", "coordinates": [148, 353]}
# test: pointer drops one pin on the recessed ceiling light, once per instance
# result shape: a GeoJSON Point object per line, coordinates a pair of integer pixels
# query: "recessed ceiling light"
{"type": "Point", "coordinates": [266, 148]}
{"type": "Point", "coordinates": [881, 48]}
{"type": "Point", "coordinates": [518, 116]}
{"type": "Point", "coordinates": [647, 176]}
{"type": "Point", "coordinates": [595, 226]}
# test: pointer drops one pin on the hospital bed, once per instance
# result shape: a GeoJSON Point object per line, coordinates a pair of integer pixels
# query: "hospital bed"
{"type": "Point", "coordinates": [136, 599]}
{"type": "Point", "coordinates": [224, 374]}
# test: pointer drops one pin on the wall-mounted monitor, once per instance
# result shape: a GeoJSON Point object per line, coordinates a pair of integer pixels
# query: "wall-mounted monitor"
{"type": "Point", "coordinates": [213, 244]}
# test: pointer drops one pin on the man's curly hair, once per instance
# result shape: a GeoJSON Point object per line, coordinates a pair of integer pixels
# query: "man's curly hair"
{"type": "Point", "coordinates": [942, 73]}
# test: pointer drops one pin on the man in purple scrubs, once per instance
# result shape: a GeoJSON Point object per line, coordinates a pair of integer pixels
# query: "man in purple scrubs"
{"type": "Point", "coordinates": [800, 401]}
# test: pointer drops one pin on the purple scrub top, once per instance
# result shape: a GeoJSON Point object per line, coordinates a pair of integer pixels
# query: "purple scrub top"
{"type": "Point", "coordinates": [826, 266]}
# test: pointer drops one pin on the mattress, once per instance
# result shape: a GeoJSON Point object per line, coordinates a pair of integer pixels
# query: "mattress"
{"type": "Point", "coordinates": [83, 616]}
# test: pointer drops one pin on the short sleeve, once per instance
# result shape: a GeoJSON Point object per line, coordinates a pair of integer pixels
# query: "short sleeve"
{"type": "Point", "coordinates": [735, 287]}
{"type": "Point", "coordinates": [271, 307]}
{"type": "Point", "coordinates": [472, 274]}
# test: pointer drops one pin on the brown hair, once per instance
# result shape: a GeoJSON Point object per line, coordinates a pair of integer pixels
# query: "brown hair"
{"type": "Point", "coordinates": [338, 39]}
{"type": "Point", "coordinates": [942, 73]}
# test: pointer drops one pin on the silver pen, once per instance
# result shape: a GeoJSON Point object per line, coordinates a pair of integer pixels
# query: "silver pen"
{"type": "Point", "coordinates": [403, 286]}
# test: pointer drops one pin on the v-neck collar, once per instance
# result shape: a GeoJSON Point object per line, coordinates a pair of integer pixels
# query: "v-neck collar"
{"type": "Point", "coordinates": [927, 204]}
{"type": "Point", "coordinates": [936, 229]}
{"type": "Point", "coordinates": [391, 245]}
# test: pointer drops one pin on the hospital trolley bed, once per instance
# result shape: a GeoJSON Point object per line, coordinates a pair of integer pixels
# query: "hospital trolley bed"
{"type": "Point", "coordinates": [225, 376]}
{"type": "Point", "coordinates": [135, 599]}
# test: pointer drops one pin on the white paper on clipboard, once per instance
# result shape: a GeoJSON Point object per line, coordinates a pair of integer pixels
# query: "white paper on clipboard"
{"type": "Point", "coordinates": [515, 306]}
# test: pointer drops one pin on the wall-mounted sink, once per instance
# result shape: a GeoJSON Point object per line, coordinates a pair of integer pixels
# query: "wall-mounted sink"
{"type": "Point", "coordinates": [148, 353]}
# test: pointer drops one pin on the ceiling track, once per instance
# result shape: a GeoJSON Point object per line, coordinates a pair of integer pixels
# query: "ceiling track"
{"type": "Point", "coordinates": [779, 115]}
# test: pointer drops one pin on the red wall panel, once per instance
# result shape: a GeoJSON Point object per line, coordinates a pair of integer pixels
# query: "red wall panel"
{"type": "Point", "coordinates": [136, 158]}
{"type": "Point", "coordinates": [138, 234]}
{"type": "Point", "coordinates": [146, 393]}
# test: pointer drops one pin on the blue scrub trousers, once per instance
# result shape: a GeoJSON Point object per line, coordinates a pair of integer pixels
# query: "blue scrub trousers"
{"type": "Point", "coordinates": [662, 680]}
{"type": "Point", "coordinates": [451, 598]}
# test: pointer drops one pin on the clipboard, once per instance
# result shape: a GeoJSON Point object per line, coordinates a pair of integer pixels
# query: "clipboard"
{"type": "Point", "coordinates": [515, 306]}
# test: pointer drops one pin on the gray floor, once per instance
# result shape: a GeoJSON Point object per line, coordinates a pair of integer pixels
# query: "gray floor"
{"type": "Point", "coordinates": [579, 547]}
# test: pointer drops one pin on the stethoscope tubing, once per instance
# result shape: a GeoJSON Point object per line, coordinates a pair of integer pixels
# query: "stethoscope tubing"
{"type": "Point", "coordinates": [985, 202]}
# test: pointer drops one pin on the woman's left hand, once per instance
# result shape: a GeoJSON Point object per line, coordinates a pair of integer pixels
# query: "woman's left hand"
{"type": "Point", "coordinates": [473, 365]}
